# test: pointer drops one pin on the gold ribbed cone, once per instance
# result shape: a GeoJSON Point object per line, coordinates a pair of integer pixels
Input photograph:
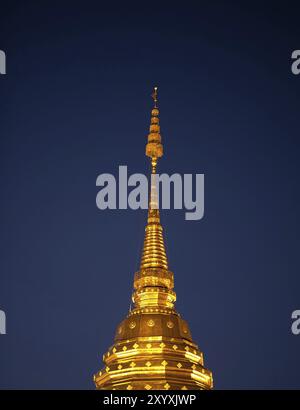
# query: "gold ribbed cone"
{"type": "Point", "coordinates": [154, 253]}
{"type": "Point", "coordinates": [153, 347]}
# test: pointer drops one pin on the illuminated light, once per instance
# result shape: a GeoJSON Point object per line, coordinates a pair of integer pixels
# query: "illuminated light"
{"type": "Point", "coordinates": [148, 387]}
{"type": "Point", "coordinates": [192, 357]}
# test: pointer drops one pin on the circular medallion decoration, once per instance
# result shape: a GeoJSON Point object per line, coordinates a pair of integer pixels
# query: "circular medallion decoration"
{"type": "Point", "coordinates": [150, 323]}
{"type": "Point", "coordinates": [132, 325]}
{"type": "Point", "coordinates": [170, 324]}
{"type": "Point", "coordinates": [185, 330]}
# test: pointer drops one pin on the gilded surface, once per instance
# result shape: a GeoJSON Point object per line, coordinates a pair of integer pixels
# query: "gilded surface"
{"type": "Point", "coordinates": [153, 347]}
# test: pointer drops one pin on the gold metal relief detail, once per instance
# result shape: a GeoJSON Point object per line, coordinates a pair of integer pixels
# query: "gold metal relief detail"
{"type": "Point", "coordinates": [151, 323]}
{"type": "Point", "coordinates": [132, 325]}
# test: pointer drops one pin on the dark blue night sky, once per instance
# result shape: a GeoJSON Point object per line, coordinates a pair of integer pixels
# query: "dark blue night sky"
{"type": "Point", "coordinates": [75, 102]}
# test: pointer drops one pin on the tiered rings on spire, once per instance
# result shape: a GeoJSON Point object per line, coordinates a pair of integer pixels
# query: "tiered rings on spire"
{"type": "Point", "coordinates": [154, 148]}
{"type": "Point", "coordinates": [154, 264]}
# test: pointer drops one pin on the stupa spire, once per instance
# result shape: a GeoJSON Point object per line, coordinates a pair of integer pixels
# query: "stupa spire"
{"type": "Point", "coordinates": [154, 253]}
{"type": "Point", "coordinates": [153, 347]}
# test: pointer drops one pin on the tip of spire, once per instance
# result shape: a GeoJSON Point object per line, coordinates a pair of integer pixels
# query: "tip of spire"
{"type": "Point", "coordinates": [154, 96]}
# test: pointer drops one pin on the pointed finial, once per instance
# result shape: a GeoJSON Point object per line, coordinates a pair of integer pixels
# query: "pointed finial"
{"type": "Point", "coordinates": [154, 148]}
{"type": "Point", "coordinates": [154, 96]}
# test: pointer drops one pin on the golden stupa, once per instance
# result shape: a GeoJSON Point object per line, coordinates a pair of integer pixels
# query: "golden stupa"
{"type": "Point", "coordinates": [153, 347]}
